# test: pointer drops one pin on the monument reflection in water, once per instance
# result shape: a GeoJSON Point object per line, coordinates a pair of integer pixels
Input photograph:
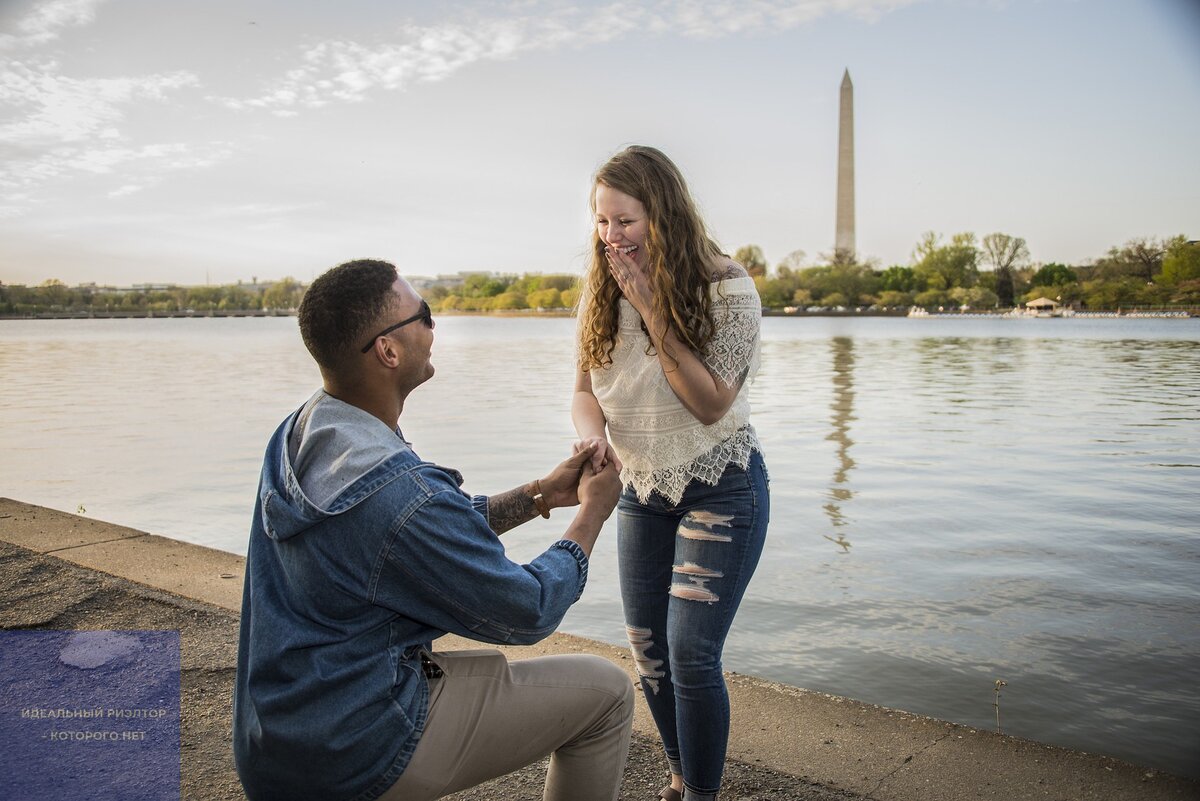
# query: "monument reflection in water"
{"type": "Point", "coordinates": [843, 413]}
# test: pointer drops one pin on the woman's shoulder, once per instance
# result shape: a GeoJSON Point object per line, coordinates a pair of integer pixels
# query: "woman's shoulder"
{"type": "Point", "coordinates": [730, 278]}
{"type": "Point", "coordinates": [727, 271]}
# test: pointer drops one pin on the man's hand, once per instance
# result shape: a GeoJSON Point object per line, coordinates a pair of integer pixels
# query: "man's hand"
{"type": "Point", "coordinates": [602, 452]}
{"type": "Point", "coordinates": [561, 486]}
{"type": "Point", "coordinates": [599, 491]}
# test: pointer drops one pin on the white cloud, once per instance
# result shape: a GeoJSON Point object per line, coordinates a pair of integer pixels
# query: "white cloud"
{"type": "Point", "coordinates": [127, 189]}
{"type": "Point", "coordinates": [258, 210]}
{"type": "Point", "coordinates": [45, 19]}
{"type": "Point", "coordinates": [346, 71]}
{"type": "Point", "coordinates": [55, 108]}
{"type": "Point", "coordinates": [138, 167]}
{"type": "Point", "coordinates": [73, 125]}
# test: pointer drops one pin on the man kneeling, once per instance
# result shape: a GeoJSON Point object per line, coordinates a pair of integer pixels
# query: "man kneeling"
{"type": "Point", "coordinates": [361, 555]}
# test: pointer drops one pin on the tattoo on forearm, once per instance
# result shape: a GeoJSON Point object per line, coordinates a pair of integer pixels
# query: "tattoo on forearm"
{"type": "Point", "coordinates": [510, 509]}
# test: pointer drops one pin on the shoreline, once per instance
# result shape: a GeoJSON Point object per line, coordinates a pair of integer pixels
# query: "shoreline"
{"type": "Point", "coordinates": [828, 744]}
{"type": "Point", "coordinates": [1100, 314]}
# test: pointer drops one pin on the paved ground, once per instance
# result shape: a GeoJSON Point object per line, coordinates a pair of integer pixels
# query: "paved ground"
{"type": "Point", "coordinates": [60, 571]}
{"type": "Point", "coordinates": [42, 592]}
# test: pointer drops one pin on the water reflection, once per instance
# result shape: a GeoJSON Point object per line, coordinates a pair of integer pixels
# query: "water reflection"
{"type": "Point", "coordinates": [842, 407]}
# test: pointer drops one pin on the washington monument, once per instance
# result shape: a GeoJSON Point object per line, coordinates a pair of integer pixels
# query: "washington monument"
{"type": "Point", "coordinates": [844, 240]}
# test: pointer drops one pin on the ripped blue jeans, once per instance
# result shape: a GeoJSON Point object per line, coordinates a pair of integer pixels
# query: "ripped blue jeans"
{"type": "Point", "coordinates": [683, 570]}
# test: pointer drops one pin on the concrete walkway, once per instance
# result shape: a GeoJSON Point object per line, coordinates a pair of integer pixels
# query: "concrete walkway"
{"type": "Point", "coordinates": [62, 571]}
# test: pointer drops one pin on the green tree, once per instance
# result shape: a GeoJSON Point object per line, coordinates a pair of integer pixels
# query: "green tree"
{"type": "Point", "coordinates": [975, 297]}
{"type": "Point", "coordinates": [1181, 262]}
{"type": "Point", "coordinates": [132, 301]}
{"type": "Point", "coordinates": [751, 257]}
{"type": "Point", "coordinates": [851, 281]}
{"type": "Point", "coordinates": [1111, 294]}
{"type": "Point", "coordinates": [284, 294]}
{"type": "Point", "coordinates": [1187, 293]}
{"type": "Point", "coordinates": [835, 300]}
{"type": "Point", "coordinates": [482, 285]}
{"type": "Point", "coordinates": [201, 298]}
{"type": "Point", "coordinates": [1054, 274]}
{"type": "Point", "coordinates": [54, 293]}
{"type": "Point", "coordinates": [791, 263]}
{"type": "Point", "coordinates": [1139, 258]}
{"type": "Point", "coordinates": [507, 301]}
{"type": "Point", "coordinates": [773, 293]}
{"type": "Point", "coordinates": [898, 278]}
{"type": "Point", "coordinates": [560, 282]}
{"type": "Point", "coordinates": [163, 301]}
{"type": "Point", "coordinates": [942, 267]}
{"type": "Point", "coordinates": [16, 299]}
{"type": "Point", "coordinates": [434, 295]}
{"type": "Point", "coordinates": [890, 298]}
{"type": "Point", "coordinates": [1005, 253]}
{"type": "Point", "coordinates": [237, 299]}
{"type": "Point", "coordinates": [544, 299]}
{"type": "Point", "coordinates": [932, 297]}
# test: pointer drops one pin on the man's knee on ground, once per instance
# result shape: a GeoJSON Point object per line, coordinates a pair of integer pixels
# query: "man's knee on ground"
{"type": "Point", "coordinates": [610, 679]}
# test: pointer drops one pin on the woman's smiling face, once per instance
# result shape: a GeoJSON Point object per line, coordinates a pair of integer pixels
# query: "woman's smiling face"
{"type": "Point", "coordinates": [621, 222]}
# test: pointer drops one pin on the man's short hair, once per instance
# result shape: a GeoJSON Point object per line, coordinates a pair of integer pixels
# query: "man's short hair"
{"type": "Point", "coordinates": [342, 306]}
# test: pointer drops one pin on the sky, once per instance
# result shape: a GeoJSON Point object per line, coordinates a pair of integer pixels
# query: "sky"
{"type": "Point", "coordinates": [210, 141]}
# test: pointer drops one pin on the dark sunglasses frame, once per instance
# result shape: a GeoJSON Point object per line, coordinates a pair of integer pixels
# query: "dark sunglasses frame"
{"type": "Point", "coordinates": [425, 315]}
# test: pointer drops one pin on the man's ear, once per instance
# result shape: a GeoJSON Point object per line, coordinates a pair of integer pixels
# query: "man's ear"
{"type": "Point", "coordinates": [386, 351]}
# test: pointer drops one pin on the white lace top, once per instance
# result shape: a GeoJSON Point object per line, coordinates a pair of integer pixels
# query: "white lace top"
{"type": "Point", "coordinates": [662, 446]}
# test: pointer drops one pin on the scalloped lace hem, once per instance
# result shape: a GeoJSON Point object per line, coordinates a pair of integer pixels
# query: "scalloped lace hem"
{"type": "Point", "coordinates": [672, 481]}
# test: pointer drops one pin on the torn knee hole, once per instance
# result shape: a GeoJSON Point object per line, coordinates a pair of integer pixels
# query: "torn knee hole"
{"type": "Point", "coordinates": [696, 587]}
{"type": "Point", "coordinates": [648, 668]}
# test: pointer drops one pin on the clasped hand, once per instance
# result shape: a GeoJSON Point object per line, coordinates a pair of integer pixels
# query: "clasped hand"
{"type": "Point", "coordinates": [578, 478]}
{"type": "Point", "coordinates": [602, 452]}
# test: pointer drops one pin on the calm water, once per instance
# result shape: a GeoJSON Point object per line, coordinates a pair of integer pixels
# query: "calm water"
{"type": "Point", "coordinates": [955, 501]}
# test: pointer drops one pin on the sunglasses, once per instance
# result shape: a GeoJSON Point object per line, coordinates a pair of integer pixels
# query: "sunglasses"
{"type": "Point", "coordinates": [425, 315]}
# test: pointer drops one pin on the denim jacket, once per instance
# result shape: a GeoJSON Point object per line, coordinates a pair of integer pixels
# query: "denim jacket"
{"type": "Point", "coordinates": [339, 604]}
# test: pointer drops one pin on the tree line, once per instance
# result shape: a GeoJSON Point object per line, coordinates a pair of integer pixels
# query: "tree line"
{"type": "Point", "coordinates": [992, 273]}
{"type": "Point", "coordinates": [55, 297]}
{"type": "Point", "coordinates": [489, 292]}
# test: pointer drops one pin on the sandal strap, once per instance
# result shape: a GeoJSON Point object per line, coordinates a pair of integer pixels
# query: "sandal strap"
{"type": "Point", "coordinates": [669, 793]}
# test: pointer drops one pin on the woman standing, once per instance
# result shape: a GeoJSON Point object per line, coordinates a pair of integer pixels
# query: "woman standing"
{"type": "Point", "coordinates": [668, 338]}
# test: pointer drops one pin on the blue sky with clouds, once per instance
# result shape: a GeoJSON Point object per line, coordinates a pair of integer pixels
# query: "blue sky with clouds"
{"type": "Point", "coordinates": [198, 140]}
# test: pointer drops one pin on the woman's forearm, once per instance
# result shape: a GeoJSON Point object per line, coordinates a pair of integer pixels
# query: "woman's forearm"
{"type": "Point", "coordinates": [587, 415]}
{"type": "Point", "coordinates": [700, 392]}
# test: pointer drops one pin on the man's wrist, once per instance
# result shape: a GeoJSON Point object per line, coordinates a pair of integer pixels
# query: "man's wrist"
{"type": "Point", "coordinates": [592, 514]}
{"type": "Point", "coordinates": [540, 501]}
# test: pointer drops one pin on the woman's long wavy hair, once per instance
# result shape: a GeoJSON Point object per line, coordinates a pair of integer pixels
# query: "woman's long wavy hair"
{"type": "Point", "coordinates": [679, 257]}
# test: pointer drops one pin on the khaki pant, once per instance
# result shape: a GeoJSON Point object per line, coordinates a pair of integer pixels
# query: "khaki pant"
{"type": "Point", "coordinates": [488, 717]}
